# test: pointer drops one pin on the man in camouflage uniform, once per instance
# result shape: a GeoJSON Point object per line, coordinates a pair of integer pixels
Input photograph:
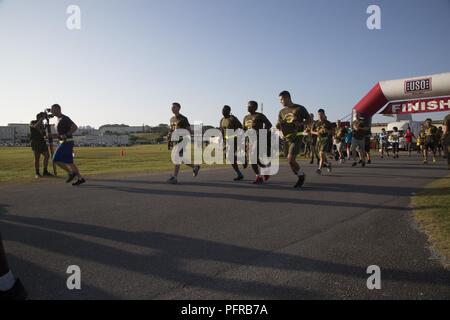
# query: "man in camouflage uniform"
{"type": "Point", "coordinates": [446, 139]}
{"type": "Point", "coordinates": [339, 140]}
{"type": "Point", "coordinates": [323, 129]}
{"type": "Point", "coordinates": [256, 121]}
{"type": "Point", "coordinates": [230, 122]}
{"type": "Point", "coordinates": [430, 143]}
{"type": "Point", "coordinates": [292, 121]}
{"type": "Point", "coordinates": [178, 121]}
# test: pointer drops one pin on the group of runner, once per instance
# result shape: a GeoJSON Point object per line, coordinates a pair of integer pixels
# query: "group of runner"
{"type": "Point", "coordinates": [298, 130]}
{"type": "Point", "coordinates": [430, 140]}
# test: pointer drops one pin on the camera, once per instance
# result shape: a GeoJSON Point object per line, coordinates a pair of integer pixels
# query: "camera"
{"type": "Point", "coordinates": [47, 114]}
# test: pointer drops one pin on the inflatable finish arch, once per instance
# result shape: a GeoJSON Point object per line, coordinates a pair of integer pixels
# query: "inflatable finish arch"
{"type": "Point", "coordinates": [406, 96]}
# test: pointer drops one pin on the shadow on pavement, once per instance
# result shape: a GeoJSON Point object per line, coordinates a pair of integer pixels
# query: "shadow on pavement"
{"type": "Point", "coordinates": [172, 252]}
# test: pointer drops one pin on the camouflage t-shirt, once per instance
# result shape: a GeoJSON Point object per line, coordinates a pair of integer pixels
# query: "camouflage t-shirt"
{"type": "Point", "coordinates": [178, 122]}
{"type": "Point", "coordinates": [447, 124]}
{"type": "Point", "coordinates": [323, 128]}
{"type": "Point", "coordinates": [230, 123]}
{"type": "Point", "coordinates": [256, 121]}
{"type": "Point", "coordinates": [431, 133]}
{"type": "Point", "coordinates": [289, 115]}
{"type": "Point", "coordinates": [340, 134]}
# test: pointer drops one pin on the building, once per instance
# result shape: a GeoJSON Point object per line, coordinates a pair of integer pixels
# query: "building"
{"type": "Point", "coordinates": [7, 135]}
{"type": "Point", "coordinates": [102, 141]}
{"type": "Point", "coordinates": [122, 129]}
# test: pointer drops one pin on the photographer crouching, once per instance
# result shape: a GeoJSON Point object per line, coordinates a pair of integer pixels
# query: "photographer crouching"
{"type": "Point", "coordinates": [39, 145]}
{"type": "Point", "coordinates": [63, 156]}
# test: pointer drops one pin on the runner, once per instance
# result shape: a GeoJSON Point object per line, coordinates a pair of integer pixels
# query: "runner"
{"type": "Point", "coordinates": [439, 146]}
{"type": "Point", "coordinates": [394, 140]}
{"type": "Point", "coordinates": [39, 146]}
{"type": "Point", "coordinates": [430, 141]}
{"type": "Point", "coordinates": [313, 141]}
{"type": "Point", "coordinates": [348, 142]}
{"type": "Point", "coordinates": [322, 129]}
{"type": "Point", "coordinates": [409, 136]}
{"type": "Point", "coordinates": [256, 121]}
{"type": "Point", "coordinates": [230, 122]}
{"type": "Point", "coordinates": [367, 149]}
{"type": "Point", "coordinates": [178, 121]}
{"type": "Point", "coordinates": [63, 156]}
{"type": "Point", "coordinates": [292, 121]}
{"type": "Point", "coordinates": [421, 141]}
{"type": "Point", "coordinates": [384, 143]}
{"type": "Point", "coordinates": [358, 142]}
{"type": "Point", "coordinates": [339, 140]}
{"type": "Point", "coordinates": [446, 139]}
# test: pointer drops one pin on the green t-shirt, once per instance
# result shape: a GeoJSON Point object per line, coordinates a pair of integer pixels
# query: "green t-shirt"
{"type": "Point", "coordinates": [446, 137]}
{"type": "Point", "coordinates": [256, 121]}
{"type": "Point", "coordinates": [230, 123]}
{"type": "Point", "coordinates": [179, 122]}
{"type": "Point", "coordinates": [323, 128]}
{"type": "Point", "coordinates": [289, 115]}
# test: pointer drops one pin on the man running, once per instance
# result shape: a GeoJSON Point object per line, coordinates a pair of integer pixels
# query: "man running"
{"type": "Point", "coordinates": [230, 122]}
{"type": "Point", "coordinates": [339, 138]}
{"type": "Point", "coordinates": [358, 141]}
{"type": "Point", "coordinates": [409, 136]}
{"type": "Point", "coordinates": [178, 121]}
{"type": "Point", "coordinates": [430, 141]}
{"type": "Point", "coordinates": [292, 121]}
{"type": "Point", "coordinates": [446, 139]}
{"type": "Point", "coordinates": [384, 143]}
{"type": "Point", "coordinates": [322, 129]}
{"type": "Point", "coordinates": [63, 156]}
{"type": "Point", "coordinates": [256, 121]}
{"type": "Point", "coordinates": [39, 146]}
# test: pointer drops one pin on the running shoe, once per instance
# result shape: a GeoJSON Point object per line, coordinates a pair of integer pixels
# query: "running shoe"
{"type": "Point", "coordinates": [79, 182]}
{"type": "Point", "coordinates": [239, 178]}
{"type": "Point", "coordinates": [259, 180]}
{"type": "Point", "coordinates": [301, 181]}
{"type": "Point", "coordinates": [196, 170]}
{"type": "Point", "coordinates": [172, 180]}
{"type": "Point", "coordinates": [319, 172]}
{"type": "Point", "coordinates": [266, 178]}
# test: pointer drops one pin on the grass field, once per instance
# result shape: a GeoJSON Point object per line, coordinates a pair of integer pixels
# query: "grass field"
{"type": "Point", "coordinates": [432, 211]}
{"type": "Point", "coordinates": [17, 164]}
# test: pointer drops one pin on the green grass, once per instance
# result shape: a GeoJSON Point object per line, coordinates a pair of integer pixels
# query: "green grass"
{"type": "Point", "coordinates": [17, 164]}
{"type": "Point", "coordinates": [432, 211]}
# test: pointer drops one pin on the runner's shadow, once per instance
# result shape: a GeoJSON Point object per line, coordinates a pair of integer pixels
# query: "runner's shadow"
{"type": "Point", "coordinates": [244, 197]}
{"type": "Point", "coordinates": [170, 253]}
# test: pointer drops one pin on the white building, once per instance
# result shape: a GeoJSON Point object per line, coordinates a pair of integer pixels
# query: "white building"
{"type": "Point", "coordinates": [123, 129]}
{"type": "Point", "coordinates": [7, 135]}
{"type": "Point", "coordinates": [104, 141]}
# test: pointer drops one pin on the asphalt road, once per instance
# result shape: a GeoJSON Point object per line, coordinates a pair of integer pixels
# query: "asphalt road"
{"type": "Point", "coordinates": [210, 238]}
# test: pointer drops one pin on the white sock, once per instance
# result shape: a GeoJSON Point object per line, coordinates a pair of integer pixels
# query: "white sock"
{"type": "Point", "coordinates": [7, 281]}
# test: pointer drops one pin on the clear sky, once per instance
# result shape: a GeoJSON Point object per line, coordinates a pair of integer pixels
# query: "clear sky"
{"type": "Point", "coordinates": [133, 58]}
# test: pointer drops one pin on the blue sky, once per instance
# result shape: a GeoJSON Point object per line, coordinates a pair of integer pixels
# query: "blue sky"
{"type": "Point", "coordinates": [132, 59]}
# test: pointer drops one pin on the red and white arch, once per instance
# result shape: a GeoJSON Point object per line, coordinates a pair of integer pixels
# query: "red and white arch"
{"type": "Point", "coordinates": [407, 96]}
